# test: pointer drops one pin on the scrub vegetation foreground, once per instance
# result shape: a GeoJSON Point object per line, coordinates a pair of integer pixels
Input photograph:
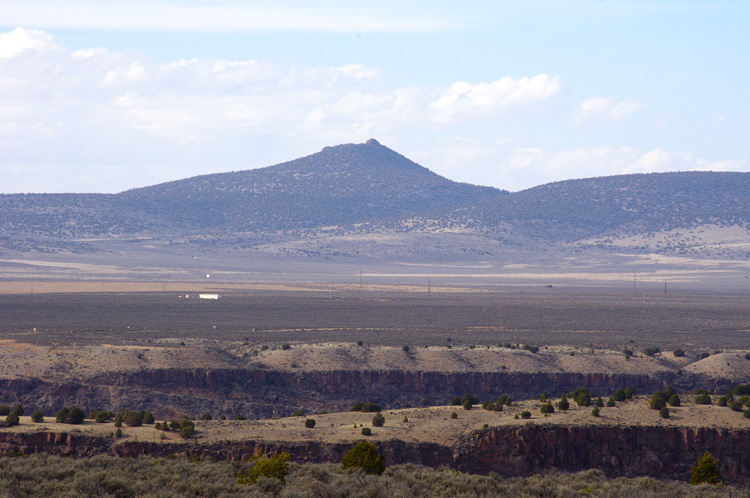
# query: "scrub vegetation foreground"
{"type": "Point", "coordinates": [104, 476]}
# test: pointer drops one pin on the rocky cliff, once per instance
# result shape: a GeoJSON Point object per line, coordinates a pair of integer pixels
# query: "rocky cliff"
{"type": "Point", "coordinates": [664, 452]}
{"type": "Point", "coordinates": [262, 393]}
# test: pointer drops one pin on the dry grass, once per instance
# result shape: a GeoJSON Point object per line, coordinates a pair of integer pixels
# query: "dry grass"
{"type": "Point", "coordinates": [42, 476]}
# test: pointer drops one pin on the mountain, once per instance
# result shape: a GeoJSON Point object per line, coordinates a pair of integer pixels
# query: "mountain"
{"type": "Point", "coordinates": [365, 200]}
{"type": "Point", "coordinates": [346, 184]}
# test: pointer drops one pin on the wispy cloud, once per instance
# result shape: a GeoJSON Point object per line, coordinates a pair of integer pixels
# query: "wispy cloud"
{"type": "Point", "coordinates": [228, 15]}
{"type": "Point", "coordinates": [608, 108]}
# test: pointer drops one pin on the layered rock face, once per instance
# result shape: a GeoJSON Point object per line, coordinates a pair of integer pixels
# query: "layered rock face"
{"type": "Point", "coordinates": [662, 452]}
{"type": "Point", "coordinates": [262, 393]}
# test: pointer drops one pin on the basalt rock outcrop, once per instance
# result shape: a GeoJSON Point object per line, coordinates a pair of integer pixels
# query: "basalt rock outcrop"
{"type": "Point", "coordinates": [663, 452]}
{"type": "Point", "coordinates": [263, 393]}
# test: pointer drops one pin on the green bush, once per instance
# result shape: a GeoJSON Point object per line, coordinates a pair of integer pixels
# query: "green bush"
{"type": "Point", "coordinates": [678, 353]}
{"type": "Point", "coordinates": [205, 416]}
{"type": "Point", "coordinates": [630, 392]}
{"type": "Point", "coordinates": [595, 411]}
{"type": "Point", "coordinates": [741, 390]}
{"type": "Point", "coordinates": [378, 420]}
{"type": "Point", "coordinates": [72, 415]}
{"type": "Point", "coordinates": [723, 401]}
{"type": "Point", "coordinates": [703, 399]}
{"type": "Point", "coordinates": [470, 398]}
{"type": "Point", "coordinates": [611, 402]}
{"type": "Point", "coordinates": [544, 397]}
{"type": "Point", "coordinates": [4, 410]}
{"type": "Point", "coordinates": [581, 396]}
{"type": "Point", "coordinates": [286, 347]}
{"type": "Point", "coordinates": [454, 415]}
{"type": "Point", "coordinates": [563, 404]}
{"type": "Point", "coordinates": [366, 431]}
{"type": "Point", "coordinates": [37, 416]}
{"type": "Point", "coordinates": [674, 400]}
{"type": "Point", "coordinates": [735, 406]}
{"type": "Point", "coordinates": [599, 402]}
{"type": "Point", "coordinates": [364, 456]}
{"type": "Point", "coordinates": [664, 412]}
{"type": "Point", "coordinates": [703, 356]}
{"type": "Point", "coordinates": [239, 416]}
{"type": "Point", "coordinates": [547, 408]}
{"type": "Point", "coordinates": [310, 423]}
{"type": "Point", "coordinates": [651, 351]}
{"type": "Point", "coordinates": [12, 419]}
{"type": "Point", "coordinates": [456, 401]}
{"type": "Point", "coordinates": [275, 466]}
{"type": "Point", "coordinates": [525, 414]}
{"type": "Point", "coordinates": [187, 428]}
{"type": "Point", "coordinates": [467, 405]}
{"type": "Point", "coordinates": [706, 470]}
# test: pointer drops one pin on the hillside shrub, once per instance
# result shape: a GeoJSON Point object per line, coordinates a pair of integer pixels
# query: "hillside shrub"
{"type": "Point", "coordinates": [366, 431]}
{"type": "Point", "coordinates": [544, 397]}
{"type": "Point", "coordinates": [563, 404]}
{"type": "Point", "coordinates": [72, 415]}
{"type": "Point", "coordinates": [18, 409]}
{"type": "Point", "coordinates": [678, 353]}
{"type": "Point", "coordinates": [101, 416]}
{"type": "Point", "coordinates": [4, 410]}
{"type": "Point", "coordinates": [205, 416]}
{"type": "Point", "coordinates": [595, 411]}
{"type": "Point", "coordinates": [378, 420]}
{"type": "Point", "coordinates": [581, 396]}
{"type": "Point", "coordinates": [186, 428]}
{"type": "Point", "coordinates": [456, 401]}
{"type": "Point", "coordinates": [530, 348]}
{"type": "Point", "coordinates": [275, 466]}
{"type": "Point", "coordinates": [735, 406]}
{"type": "Point", "coordinates": [12, 419]}
{"type": "Point", "coordinates": [651, 351]}
{"type": "Point", "coordinates": [674, 400]}
{"type": "Point", "coordinates": [364, 456]}
{"type": "Point", "coordinates": [611, 402]}
{"type": "Point", "coordinates": [703, 399]}
{"type": "Point", "coordinates": [467, 405]}
{"type": "Point", "coordinates": [619, 395]}
{"type": "Point", "coordinates": [599, 402]}
{"type": "Point", "coordinates": [704, 355]}
{"type": "Point", "coordinates": [741, 390]}
{"type": "Point", "coordinates": [706, 470]}
{"type": "Point", "coordinates": [504, 400]}
{"type": "Point", "coordinates": [454, 415]}
{"type": "Point", "coordinates": [525, 414]}
{"type": "Point", "coordinates": [470, 398]}
{"type": "Point", "coordinates": [365, 407]}
{"type": "Point", "coordinates": [547, 408]}
{"type": "Point", "coordinates": [301, 413]}
{"type": "Point", "coordinates": [630, 392]}
{"type": "Point", "coordinates": [286, 347]}
{"type": "Point", "coordinates": [310, 423]}
{"type": "Point", "coordinates": [723, 401]}
{"type": "Point", "coordinates": [664, 412]}
{"type": "Point", "coordinates": [37, 416]}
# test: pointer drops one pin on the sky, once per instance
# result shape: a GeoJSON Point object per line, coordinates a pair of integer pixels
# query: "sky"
{"type": "Point", "coordinates": [105, 96]}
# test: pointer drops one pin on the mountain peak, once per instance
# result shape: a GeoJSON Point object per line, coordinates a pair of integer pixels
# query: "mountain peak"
{"type": "Point", "coordinates": [372, 141]}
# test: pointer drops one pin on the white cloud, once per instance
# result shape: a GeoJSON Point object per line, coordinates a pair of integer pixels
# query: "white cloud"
{"type": "Point", "coordinates": [227, 15]}
{"type": "Point", "coordinates": [608, 108]}
{"type": "Point", "coordinates": [20, 40]}
{"type": "Point", "coordinates": [466, 100]}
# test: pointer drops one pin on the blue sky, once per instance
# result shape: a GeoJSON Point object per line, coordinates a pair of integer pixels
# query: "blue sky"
{"type": "Point", "coordinates": [102, 96]}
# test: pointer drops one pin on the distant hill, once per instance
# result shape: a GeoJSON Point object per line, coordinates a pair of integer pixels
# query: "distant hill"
{"type": "Point", "coordinates": [638, 202]}
{"type": "Point", "coordinates": [344, 196]}
{"type": "Point", "coordinates": [345, 184]}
